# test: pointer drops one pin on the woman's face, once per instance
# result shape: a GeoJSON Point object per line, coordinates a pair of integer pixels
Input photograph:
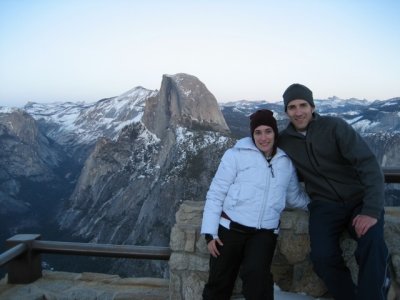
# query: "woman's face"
{"type": "Point", "coordinates": [264, 137]}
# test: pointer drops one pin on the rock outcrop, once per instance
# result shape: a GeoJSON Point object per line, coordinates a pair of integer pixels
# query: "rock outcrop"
{"type": "Point", "coordinates": [184, 101]}
{"type": "Point", "coordinates": [29, 149]}
{"type": "Point", "coordinates": [32, 179]}
{"type": "Point", "coordinates": [131, 187]}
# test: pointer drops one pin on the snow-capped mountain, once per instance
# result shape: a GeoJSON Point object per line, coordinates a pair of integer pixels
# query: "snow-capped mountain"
{"type": "Point", "coordinates": [378, 121]}
{"type": "Point", "coordinates": [145, 152]}
{"type": "Point", "coordinates": [77, 126]}
{"type": "Point", "coordinates": [123, 164]}
{"type": "Point", "coordinates": [364, 116]}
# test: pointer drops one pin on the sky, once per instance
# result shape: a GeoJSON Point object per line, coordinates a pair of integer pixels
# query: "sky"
{"type": "Point", "coordinates": [87, 50]}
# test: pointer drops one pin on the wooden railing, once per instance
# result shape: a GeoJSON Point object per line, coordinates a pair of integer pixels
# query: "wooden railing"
{"type": "Point", "coordinates": [23, 257]}
{"type": "Point", "coordinates": [392, 175]}
{"type": "Point", "coordinates": [107, 250]}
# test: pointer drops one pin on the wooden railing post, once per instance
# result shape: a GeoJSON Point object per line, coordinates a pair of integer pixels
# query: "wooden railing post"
{"type": "Point", "coordinates": [27, 267]}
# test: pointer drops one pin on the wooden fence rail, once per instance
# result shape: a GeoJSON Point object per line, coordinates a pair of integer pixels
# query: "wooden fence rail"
{"type": "Point", "coordinates": [23, 258]}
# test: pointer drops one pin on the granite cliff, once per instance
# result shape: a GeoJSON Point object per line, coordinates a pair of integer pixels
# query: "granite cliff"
{"type": "Point", "coordinates": [33, 177]}
{"type": "Point", "coordinates": [130, 188]}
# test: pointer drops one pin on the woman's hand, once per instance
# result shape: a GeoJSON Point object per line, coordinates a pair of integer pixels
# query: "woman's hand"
{"type": "Point", "coordinates": [212, 247]}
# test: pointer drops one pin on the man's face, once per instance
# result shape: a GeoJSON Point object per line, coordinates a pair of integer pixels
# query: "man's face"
{"type": "Point", "coordinates": [300, 113]}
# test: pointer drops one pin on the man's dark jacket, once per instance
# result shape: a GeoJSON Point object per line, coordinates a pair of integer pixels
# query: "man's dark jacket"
{"type": "Point", "coordinates": [335, 163]}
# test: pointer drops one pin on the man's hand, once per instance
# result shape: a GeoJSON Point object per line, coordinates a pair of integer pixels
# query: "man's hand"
{"type": "Point", "coordinates": [362, 223]}
{"type": "Point", "coordinates": [212, 247]}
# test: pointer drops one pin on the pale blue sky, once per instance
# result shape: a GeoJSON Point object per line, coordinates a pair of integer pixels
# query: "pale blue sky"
{"type": "Point", "coordinates": [85, 50]}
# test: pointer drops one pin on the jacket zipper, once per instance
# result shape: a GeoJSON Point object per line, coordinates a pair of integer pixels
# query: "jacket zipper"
{"type": "Point", "coordinates": [266, 190]}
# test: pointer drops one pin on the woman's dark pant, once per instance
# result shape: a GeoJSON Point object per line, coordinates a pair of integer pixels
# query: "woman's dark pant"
{"type": "Point", "coordinates": [328, 220]}
{"type": "Point", "coordinates": [252, 254]}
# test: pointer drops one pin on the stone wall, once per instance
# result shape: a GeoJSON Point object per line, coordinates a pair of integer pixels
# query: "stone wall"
{"type": "Point", "coordinates": [291, 267]}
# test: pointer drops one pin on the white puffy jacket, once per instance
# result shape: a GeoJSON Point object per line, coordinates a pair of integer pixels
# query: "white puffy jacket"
{"type": "Point", "coordinates": [251, 191]}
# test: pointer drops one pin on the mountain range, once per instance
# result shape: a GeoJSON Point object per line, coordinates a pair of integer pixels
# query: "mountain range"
{"type": "Point", "coordinates": [116, 170]}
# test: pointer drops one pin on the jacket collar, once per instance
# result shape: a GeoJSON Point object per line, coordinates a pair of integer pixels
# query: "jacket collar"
{"type": "Point", "coordinates": [248, 144]}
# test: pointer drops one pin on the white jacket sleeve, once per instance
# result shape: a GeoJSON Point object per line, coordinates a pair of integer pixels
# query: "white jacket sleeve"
{"type": "Point", "coordinates": [296, 197]}
{"type": "Point", "coordinates": [217, 192]}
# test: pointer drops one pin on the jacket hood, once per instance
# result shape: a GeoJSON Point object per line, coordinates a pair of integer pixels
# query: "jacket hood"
{"type": "Point", "coordinates": [248, 144]}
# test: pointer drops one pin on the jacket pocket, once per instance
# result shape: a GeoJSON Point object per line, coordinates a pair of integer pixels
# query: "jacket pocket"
{"type": "Point", "coordinates": [240, 195]}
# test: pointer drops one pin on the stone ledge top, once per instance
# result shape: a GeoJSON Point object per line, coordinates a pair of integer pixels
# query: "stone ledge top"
{"type": "Point", "coordinates": [64, 285]}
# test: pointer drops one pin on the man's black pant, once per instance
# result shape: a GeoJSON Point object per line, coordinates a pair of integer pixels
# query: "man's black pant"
{"type": "Point", "coordinates": [252, 254]}
{"type": "Point", "coordinates": [328, 220]}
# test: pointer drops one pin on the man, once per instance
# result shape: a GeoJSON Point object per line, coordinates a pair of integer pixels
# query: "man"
{"type": "Point", "coordinates": [346, 187]}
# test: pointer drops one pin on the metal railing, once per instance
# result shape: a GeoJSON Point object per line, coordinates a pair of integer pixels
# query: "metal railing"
{"type": "Point", "coordinates": [23, 258]}
{"type": "Point", "coordinates": [12, 253]}
{"type": "Point", "coordinates": [24, 261]}
{"type": "Point", "coordinates": [106, 250]}
{"type": "Point", "coordinates": [392, 175]}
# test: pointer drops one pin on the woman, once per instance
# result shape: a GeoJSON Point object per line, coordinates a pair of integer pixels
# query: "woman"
{"type": "Point", "coordinates": [254, 181]}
